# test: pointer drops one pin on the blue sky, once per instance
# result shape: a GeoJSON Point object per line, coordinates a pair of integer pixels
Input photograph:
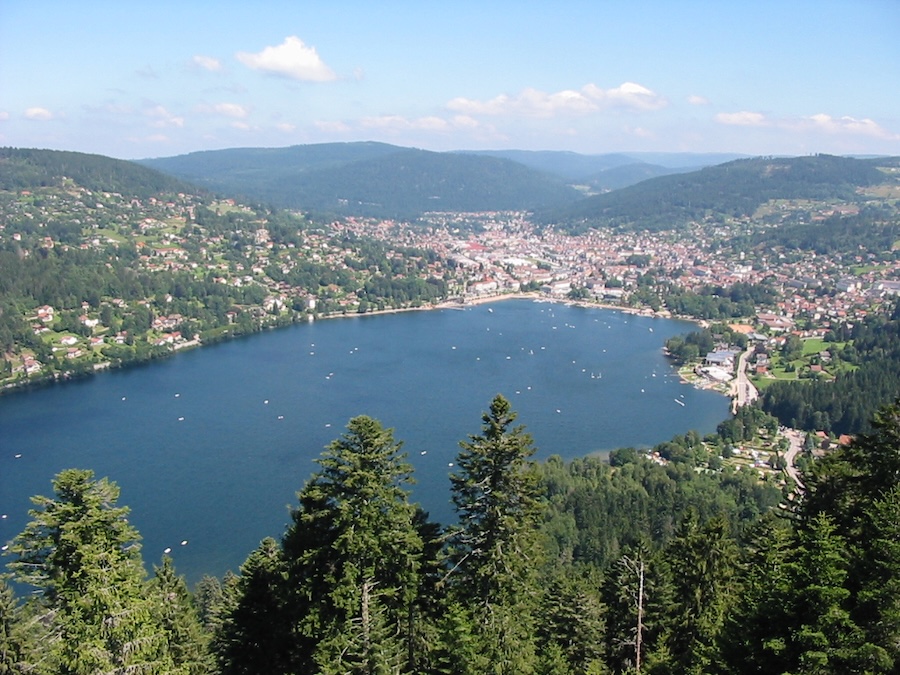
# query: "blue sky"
{"type": "Point", "coordinates": [135, 79]}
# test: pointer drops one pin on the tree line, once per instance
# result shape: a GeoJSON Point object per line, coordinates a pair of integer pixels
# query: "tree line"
{"type": "Point", "coordinates": [589, 567]}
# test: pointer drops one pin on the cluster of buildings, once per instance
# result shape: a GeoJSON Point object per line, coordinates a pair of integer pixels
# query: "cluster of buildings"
{"type": "Point", "coordinates": [477, 254]}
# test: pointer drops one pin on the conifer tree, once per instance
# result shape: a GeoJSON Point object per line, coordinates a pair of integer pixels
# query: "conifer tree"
{"type": "Point", "coordinates": [353, 555]}
{"type": "Point", "coordinates": [702, 561]}
{"type": "Point", "coordinates": [187, 643]}
{"type": "Point", "coordinates": [751, 640]}
{"type": "Point", "coordinates": [496, 494]}
{"type": "Point", "coordinates": [572, 627]}
{"type": "Point", "coordinates": [854, 489]}
{"type": "Point", "coordinates": [820, 634]}
{"type": "Point", "coordinates": [255, 635]}
{"type": "Point", "coordinates": [83, 556]}
{"type": "Point", "coordinates": [637, 596]}
{"type": "Point", "coordinates": [12, 650]}
{"type": "Point", "coordinates": [495, 552]}
{"type": "Point", "coordinates": [878, 601]}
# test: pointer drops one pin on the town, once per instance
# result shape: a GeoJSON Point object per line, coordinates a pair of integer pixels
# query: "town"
{"type": "Point", "coordinates": [261, 268]}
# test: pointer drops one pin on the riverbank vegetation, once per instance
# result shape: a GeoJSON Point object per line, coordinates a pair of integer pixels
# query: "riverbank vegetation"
{"type": "Point", "coordinates": [661, 562]}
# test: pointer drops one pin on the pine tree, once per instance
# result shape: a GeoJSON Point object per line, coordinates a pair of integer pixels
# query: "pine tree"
{"type": "Point", "coordinates": [83, 555]}
{"type": "Point", "coordinates": [877, 604]}
{"type": "Point", "coordinates": [12, 650]}
{"type": "Point", "coordinates": [255, 632]}
{"type": "Point", "coordinates": [637, 596]}
{"type": "Point", "coordinates": [353, 551]}
{"type": "Point", "coordinates": [176, 613]}
{"type": "Point", "coordinates": [495, 551]}
{"type": "Point", "coordinates": [821, 636]}
{"type": "Point", "coordinates": [702, 561]}
{"type": "Point", "coordinates": [752, 639]}
{"type": "Point", "coordinates": [854, 489]}
{"type": "Point", "coordinates": [496, 494]}
{"type": "Point", "coordinates": [572, 626]}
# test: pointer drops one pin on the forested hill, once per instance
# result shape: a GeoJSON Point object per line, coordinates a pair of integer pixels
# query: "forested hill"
{"type": "Point", "coordinates": [26, 169]}
{"type": "Point", "coordinates": [845, 406]}
{"type": "Point", "coordinates": [731, 190]}
{"type": "Point", "coordinates": [609, 171]}
{"type": "Point", "coordinates": [370, 179]}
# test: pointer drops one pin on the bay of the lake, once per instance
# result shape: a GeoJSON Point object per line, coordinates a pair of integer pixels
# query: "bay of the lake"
{"type": "Point", "coordinates": [210, 446]}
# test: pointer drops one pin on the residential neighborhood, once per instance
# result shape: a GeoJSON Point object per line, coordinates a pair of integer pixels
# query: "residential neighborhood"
{"type": "Point", "coordinates": [273, 268]}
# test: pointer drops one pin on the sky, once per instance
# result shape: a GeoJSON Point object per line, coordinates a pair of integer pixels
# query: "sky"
{"type": "Point", "coordinates": [138, 78]}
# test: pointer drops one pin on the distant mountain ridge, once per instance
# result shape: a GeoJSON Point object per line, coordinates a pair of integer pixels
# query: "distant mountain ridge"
{"type": "Point", "coordinates": [373, 179]}
{"type": "Point", "coordinates": [576, 166]}
{"type": "Point", "coordinates": [379, 179]}
{"type": "Point", "coordinates": [734, 189]}
{"type": "Point", "coordinates": [27, 168]}
{"type": "Point", "coordinates": [382, 180]}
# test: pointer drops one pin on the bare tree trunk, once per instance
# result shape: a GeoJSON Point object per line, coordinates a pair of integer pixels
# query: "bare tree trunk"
{"type": "Point", "coordinates": [640, 619]}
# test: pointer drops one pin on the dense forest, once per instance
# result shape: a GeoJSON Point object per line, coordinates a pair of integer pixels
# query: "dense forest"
{"type": "Point", "coordinates": [630, 566]}
{"type": "Point", "coordinates": [848, 403]}
{"type": "Point", "coordinates": [370, 179]}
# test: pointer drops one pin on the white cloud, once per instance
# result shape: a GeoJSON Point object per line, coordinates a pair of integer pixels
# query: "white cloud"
{"type": "Point", "coordinates": [163, 118]}
{"type": "Point", "coordinates": [3, 115]}
{"type": "Point", "coordinates": [465, 122]}
{"type": "Point", "coordinates": [291, 59]}
{"type": "Point", "coordinates": [286, 127]}
{"type": "Point", "coordinates": [849, 125]}
{"type": "Point", "coordinates": [399, 123]}
{"type": "Point", "coordinates": [233, 110]}
{"type": "Point", "coordinates": [843, 126]}
{"type": "Point", "coordinates": [38, 114]}
{"type": "Point", "coordinates": [694, 99]}
{"type": "Point", "coordinates": [209, 63]}
{"type": "Point", "coordinates": [743, 118]}
{"type": "Point", "coordinates": [429, 123]}
{"type": "Point", "coordinates": [631, 95]}
{"type": "Point", "coordinates": [535, 103]}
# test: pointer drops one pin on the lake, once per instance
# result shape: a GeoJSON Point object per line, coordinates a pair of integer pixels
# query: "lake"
{"type": "Point", "coordinates": [210, 446]}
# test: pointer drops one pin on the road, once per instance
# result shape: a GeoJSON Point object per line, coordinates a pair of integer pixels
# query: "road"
{"type": "Point", "coordinates": [742, 390]}
{"type": "Point", "coordinates": [796, 439]}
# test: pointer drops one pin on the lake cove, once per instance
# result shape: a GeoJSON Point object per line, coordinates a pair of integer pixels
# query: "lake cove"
{"type": "Point", "coordinates": [209, 447]}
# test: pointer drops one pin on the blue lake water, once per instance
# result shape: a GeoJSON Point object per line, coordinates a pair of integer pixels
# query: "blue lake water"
{"type": "Point", "coordinates": [211, 446]}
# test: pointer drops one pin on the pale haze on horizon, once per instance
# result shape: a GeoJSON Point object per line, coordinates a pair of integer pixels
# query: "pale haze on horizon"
{"type": "Point", "coordinates": [139, 79]}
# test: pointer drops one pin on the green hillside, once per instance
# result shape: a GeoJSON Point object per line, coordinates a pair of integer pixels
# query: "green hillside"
{"type": "Point", "coordinates": [732, 190]}
{"type": "Point", "coordinates": [372, 179]}
{"type": "Point", "coordinates": [22, 169]}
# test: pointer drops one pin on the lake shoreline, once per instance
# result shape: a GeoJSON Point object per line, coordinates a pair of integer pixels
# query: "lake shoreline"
{"type": "Point", "coordinates": [470, 301]}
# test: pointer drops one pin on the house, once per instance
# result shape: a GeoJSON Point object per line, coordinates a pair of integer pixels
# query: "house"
{"type": "Point", "coordinates": [722, 358]}
{"type": "Point", "coordinates": [486, 285]}
{"type": "Point", "coordinates": [557, 288]}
